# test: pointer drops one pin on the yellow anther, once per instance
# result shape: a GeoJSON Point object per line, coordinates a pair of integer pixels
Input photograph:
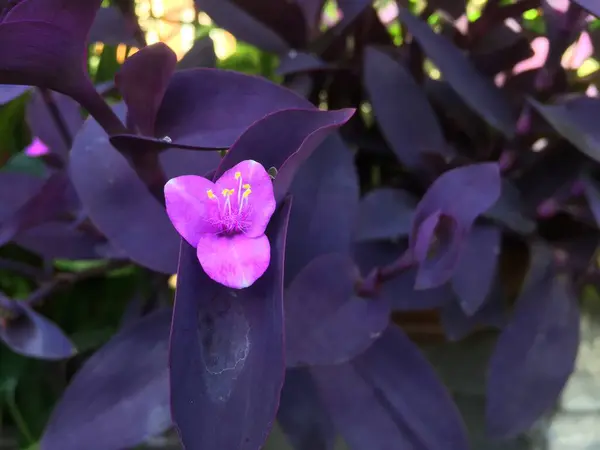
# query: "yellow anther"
{"type": "Point", "coordinates": [238, 175]}
{"type": "Point", "coordinates": [246, 193]}
{"type": "Point", "coordinates": [246, 186]}
{"type": "Point", "coordinates": [211, 194]}
{"type": "Point", "coordinates": [227, 192]}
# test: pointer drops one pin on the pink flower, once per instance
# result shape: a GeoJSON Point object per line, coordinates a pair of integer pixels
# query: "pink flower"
{"type": "Point", "coordinates": [225, 221]}
{"type": "Point", "coordinates": [36, 148]}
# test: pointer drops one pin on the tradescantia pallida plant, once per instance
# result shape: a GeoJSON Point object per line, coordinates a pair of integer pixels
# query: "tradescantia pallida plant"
{"type": "Point", "coordinates": [409, 159]}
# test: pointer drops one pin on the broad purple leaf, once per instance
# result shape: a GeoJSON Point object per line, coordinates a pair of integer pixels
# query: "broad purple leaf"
{"type": "Point", "coordinates": [59, 240]}
{"type": "Point", "coordinates": [120, 396]}
{"type": "Point", "coordinates": [410, 131]}
{"type": "Point", "coordinates": [42, 123]}
{"type": "Point", "coordinates": [211, 108]}
{"type": "Point", "coordinates": [302, 415]}
{"type": "Point", "coordinates": [176, 162]}
{"type": "Point", "coordinates": [202, 54]}
{"type": "Point", "coordinates": [111, 28]}
{"type": "Point", "coordinates": [574, 120]}
{"type": "Point", "coordinates": [284, 138]}
{"type": "Point", "coordinates": [326, 322]}
{"type": "Point", "coordinates": [590, 5]}
{"type": "Point", "coordinates": [509, 210]}
{"type": "Point", "coordinates": [294, 62]}
{"type": "Point", "coordinates": [399, 291]}
{"type": "Point", "coordinates": [476, 90]}
{"type": "Point", "coordinates": [390, 394]}
{"type": "Point", "coordinates": [43, 43]}
{"type": "Point", "coordinates": [385, 214]}
{"type": "Point", "coordinates": [15, 190]}
{"type": "Point", "coordinates": [224, 344]}
{"type": "Point", "coordinates": [274, 27]}
{"type": "Point", "coordinates": [31, 334]}
{"type": "Point", "coordinates": [535, 355]}
{"type": "Point", "coordinates": [142, 81]}
{"type": "Point", "coordinates": [326, 196]}
{"type": "Point", "coordinates": [592, 194]}
{"type": "Point", "coordinates": [9, 92]}
{"type": "Point", "coordinates": [493, 313]}
{"type": "Point", "coordinates": [476, 268]}
{"type": "Point", "coordinates": [51, 202]}
{"type": "Point", "coordinates": [119, 203]}
{"type": "Point", "coordinates": [441, 217]}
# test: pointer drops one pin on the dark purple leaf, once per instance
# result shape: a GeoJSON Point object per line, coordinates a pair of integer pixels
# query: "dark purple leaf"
{"type": "Point", "coordinates": [312, 11]}
{"type": "Point", "coordinates": [111, 28]}
{"type": "Point", "coordinates": [535, 355]}
{"type": "Point", "coordinates": [284, 140]}
{"type": "Point", "coordinates": [119, 203]}
{"type": "Point", "coordinates": [390, 394]}
{"type": "Point", "coordinates": [294, 62]}
{"type": "Point", "coordinates": [326, 195]}
{"type": "Point", "coordinates": [31, 334]}
{"type": "Point", "coordinates": [385, 214]}
{"type": "Point", "coordinates": [476, 268]}
{"type": "Point", "coordinates": [120, 396]}
{"type": "Point", "coordinates": [509, 210]}
{"type": "Point", "coordinates": [590, 5]}
{"type": "Point", "coordinates": [49, 203]}
{"type": "Point", "coordinates": [43, 43]}
{"type": "Point", "coordinates": [302, 415]}
{"type": "Point", "coordinates": [176, 162]}
{"type": "Point", "coordinates": [15, 190]}
{"type": "Point", "coordinates": [59, 240]}
{"type": "Point", "coordinates": [574, 120]}
{"type": "Point", "coordinates": [142, 81]}
{"type": "Point", "coordinates": [197, 108]}
{"type": "Point", "coordinates": [274, 27]}
{"type": "Point", "coordinates": [410, 131]}
{"type": "Point", "coordinates": [225, 343]}
{"type": "Point", "coordinates": [454, 8]}
{"type": "Point", "coordinates": [592, 194]}
{"type": "Point", "coordinates": [202, 54]}
{"type": "Point", "coordinates": [326, 322]}
{"type": "Point", "coordinates": [494, 313]}
{"type": "Point", "coordinates": [477, 91]}
{"type": "Point", "coordinates": [440, 217]}
{"type": "Point", "coordinates": [9, 92]}
{"type": "Point", "coordinates": [42, 123]}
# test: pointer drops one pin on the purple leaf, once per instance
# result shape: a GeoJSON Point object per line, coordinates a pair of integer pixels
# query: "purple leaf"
{"type": "Point", "coordinates": [441, 217]}
{"type": "Point", "coordinates": [390, 394]}
{"type": "Point", "coordinates": [224, 344]}
{"type": "Point", "coordinates": [455, 8]}
{"type": "Point", "coordinates": [411, 132]}
{"type": "Point", "coordinates": [592, 194]}
{"type": "Point", "coordinates": [119, 203]}
{"type": "Point", "coordinates": [49, 203]}
{"type": "Point", "coordinates": [294, 62]}
{"type": "Point", "coordinates": [142, 81]}
{"type": "Point", "coordinates": [590, 5]}
{"type": "Point", "coordinates": [476, 268]}
{"type": "Point", "coordinates": [326, 195]}
{"type": "Point", "coordinates": [58, 240]}
{"type": "Point", "coordinates": [15, 190]}
{"type": "Point", "coordinates": [326, 322]}
{"type": "Point", "coordinates": [574, 120]}
{"type": "Point", "coordinates": [202, 54]}
{"type": "Point", "coordinates": [116, 400]}
{"type": "Point", "coordinates": [42, 123]}
{"type": "Point", "coordinates": [176, 162]}
{"type": "Point", "coordinates": [43, 43]}
{"type": "Point", "coordinates": [535, 355]}
{"type": "Point", "coordinates": [273, 27]}
{"type": "Point", "coordinates": [111, 28]}
{"type": "Point", "coordinates": [510, 211]}
{"type": "Point", "coordinates": [31, 334]}
{"type": "Point", "coordinates": [477, 91]}
{"type": "Point", "coordinates": [9, 92]}
{"type": "Point", "coordinates": [302, 415]}
{"type": "Point", "coordinates": [312, 11]}
{"type": "Point", "coordinates": [385, 214]}
{"type": "Point", "coordinates": [284, 138]}
{"type": "Point", "coordinates": [197, 111]}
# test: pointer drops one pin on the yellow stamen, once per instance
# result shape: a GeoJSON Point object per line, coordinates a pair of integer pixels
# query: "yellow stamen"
{"type": "Point", "coordinates": [246, 186]}
{"type": "Point", "coordinates": [227, 192]}
{"type": "Point", "coordinates": [211, 194]}
{"type": "Point", "coordinates": [238, 175]}
{"type": "Point", "coordinates": [247, 192]}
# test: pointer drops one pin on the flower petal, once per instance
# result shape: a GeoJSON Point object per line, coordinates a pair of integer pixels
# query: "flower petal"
{"type": "Point", "coordinates": [189, 207]}
{"type": "Point", "coordinates": [261, 200]}
{"type": "Point", "coordinates": [234, 261]}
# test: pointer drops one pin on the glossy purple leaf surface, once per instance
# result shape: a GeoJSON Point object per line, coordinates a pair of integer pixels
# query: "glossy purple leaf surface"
{"type": "Point", "coordinates": [535, 354]}
{"type": "Point", "coordinates": [9, 92]}
{"type": "Point", "coordinates": [32, 335]}
{"type": "Point", "coordinates": [391, 394]}
{"type": "Point", "coordinates": [120, 396]}
{"type": "Point", "coordinates": [326, 321]}
{"type": "Point", "coordinates": [111, 28]}
{"type": "Point", "coordinates": [227, 357]}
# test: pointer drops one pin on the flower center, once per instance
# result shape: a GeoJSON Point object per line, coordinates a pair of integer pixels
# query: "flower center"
{"type": "Point", "coordinates": [234, 209]}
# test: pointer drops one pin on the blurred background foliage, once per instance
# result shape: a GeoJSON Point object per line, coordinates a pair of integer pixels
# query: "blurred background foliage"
{"type": "Point", "coordinates": [91, 312]}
